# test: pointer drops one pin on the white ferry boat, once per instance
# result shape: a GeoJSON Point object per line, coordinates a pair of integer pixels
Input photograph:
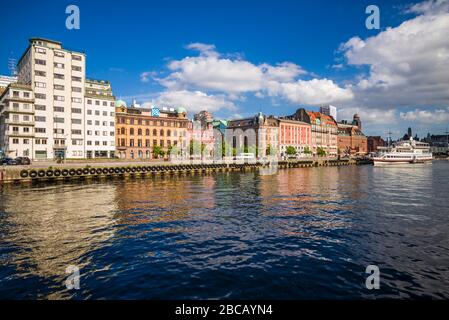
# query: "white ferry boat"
{"type": "Point", "coordinates": [404, 152]}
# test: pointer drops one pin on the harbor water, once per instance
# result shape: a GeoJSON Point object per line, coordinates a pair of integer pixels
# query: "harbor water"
{"type": "Point", "coordinates": [306, 233]}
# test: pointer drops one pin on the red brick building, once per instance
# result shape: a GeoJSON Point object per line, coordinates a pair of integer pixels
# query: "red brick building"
{"type": "Point", "coordinates": [374, 142]}
{"type": "Point", "coordinates": [351, 140]}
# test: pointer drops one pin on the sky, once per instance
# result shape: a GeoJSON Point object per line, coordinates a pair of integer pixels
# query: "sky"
{"type": "Point", "coordinates": [237, 58]}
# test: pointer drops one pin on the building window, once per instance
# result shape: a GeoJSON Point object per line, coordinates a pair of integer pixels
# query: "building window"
{"type": "Point", "coordinates": [40, 73]}
{"type": "Point", "coordinates": [58, 87]}
{"type": "Point", "coordinates": [76, 57]}
{"type": "Point", "coordinates": [76, 68]}
{"type": "Point", "coordinates": [41, 62]}
{"type": "Point", "coordinates": [77, 79]}
{"type": "Point", "coordinates": [40, 96]}
{"type": "Point", "coordinates": [58, 65]}
{"type": "Point", "coordinates": [58, 120]}
{"type": "Point", "coordinates": [58, 76]}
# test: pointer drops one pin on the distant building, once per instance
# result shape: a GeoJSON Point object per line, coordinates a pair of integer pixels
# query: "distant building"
{"type": "Point", "coordinates": [264, 129]}
{"type": "Point", "coordinates": [329, 111]}
{"type": "Point", "coordinates": [374, 142]}
{"type": "Point", "coordinates": [351, 140]}
{"type": "Point", "coordinates": [201, 130]}
{"type": "Point", "coordinates": [324, 130]}
{"type": "Point", "coordinates": [140, 130]}
{"type": "Point", "coordinates": [296, 134]}
{"type": "Point", "coordinates": [438, 143]}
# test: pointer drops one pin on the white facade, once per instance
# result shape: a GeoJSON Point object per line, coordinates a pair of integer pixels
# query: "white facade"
{"type": "Point", "coordinates": [57, 78]}
{"type": "Point", "coordinates": [17, 121]}
{"type": "Point", "coordinates": [100, 119]}
{"type": "Point", "coordinates": [329, 110]}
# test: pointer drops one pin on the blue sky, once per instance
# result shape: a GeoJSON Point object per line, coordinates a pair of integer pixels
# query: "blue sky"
{"type": "Point", "coordinates": [133, 43]}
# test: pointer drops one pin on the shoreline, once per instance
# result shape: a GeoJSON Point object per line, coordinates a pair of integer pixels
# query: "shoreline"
{"type": "Point", "coordinates": [83, 171]}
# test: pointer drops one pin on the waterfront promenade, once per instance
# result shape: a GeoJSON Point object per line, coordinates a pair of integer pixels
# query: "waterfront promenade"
{"type": "Point", "coordinates": [87, 170]}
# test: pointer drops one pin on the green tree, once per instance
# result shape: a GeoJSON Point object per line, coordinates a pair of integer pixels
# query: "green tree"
{"type": "Point", "coordinates": [291, 151]}
{"type": "Point", "coordinates": [320, 152]}
{"type": "Point", "coordinates": [307, 150]}
{"type": "Point", "coordinates": [157, 151]}
{"type": "Point", "coordinates": [173, 151]}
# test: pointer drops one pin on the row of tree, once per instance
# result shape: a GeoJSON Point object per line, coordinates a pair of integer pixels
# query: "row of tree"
{"type": "Point", "coordinates": [291, 151]}
{"type": "Point", "coordinates": [196, 147]}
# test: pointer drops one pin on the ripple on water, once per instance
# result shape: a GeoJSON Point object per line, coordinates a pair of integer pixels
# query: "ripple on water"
{"type": "Point", "coordinates": [302, 233]}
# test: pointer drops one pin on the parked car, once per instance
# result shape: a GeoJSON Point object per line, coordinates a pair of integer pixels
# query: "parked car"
{"type": "Point", "coordinates": [23, 161]}
{"type": "Point", "coordinates": [246, 156]}
{"type": "Point", "coordinates": [9, 161]}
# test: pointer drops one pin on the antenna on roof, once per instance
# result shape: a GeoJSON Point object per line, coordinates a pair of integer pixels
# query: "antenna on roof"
{"type": "Point", "coordinates": [12, 62]}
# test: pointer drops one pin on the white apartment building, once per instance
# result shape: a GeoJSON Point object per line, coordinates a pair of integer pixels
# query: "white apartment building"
{"type": "Point", "coordinates": [100, 119]}
{"type": "Point", "coordinates": [57, 78]}
{"type": "Point", "coordinates": [17, 121]}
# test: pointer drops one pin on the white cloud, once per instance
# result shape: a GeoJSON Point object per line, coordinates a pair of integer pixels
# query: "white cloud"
{"type": "Point", "coordinates": [426, 116]}
{"type": "Point", "coordinates": [204, 49]}
{"type": "Point", "coordinates": [145, 76]}
{"type": "Point", "coordinates": [210, 71]}
{"type": "Point", "coordinates": [369, 116]}
{"type": "Point", "coordinates": [429, 7]}
{"type": "Point", "coordinates": [193, 101]}
{"type": "Point", "coordinates": [283, 72]}
{"type": "Point", "coordinates": [312, 92]}
{"type": "Point", "coordinates": [408, 64]}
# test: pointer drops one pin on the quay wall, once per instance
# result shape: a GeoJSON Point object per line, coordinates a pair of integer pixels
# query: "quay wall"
{"type": "Point", "coordinates": [11, 174]}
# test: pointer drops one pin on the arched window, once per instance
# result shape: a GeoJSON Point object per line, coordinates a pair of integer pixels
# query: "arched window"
{"type": "Point", "coordinates": [161, 133]}
{"type": "Point", "coordinates": [131, 131]}
{"type": "Point", "coordinates": [139, 132]}
{"type": "Point", "coordinates": [168, 133]}
{"type": "Point", "coordinates": [147, 132]}
{"type": "Point", "coordinates": [123, 131]}
{"type": "Point", "coordinates": [140, 154]}
{"type": "Point", "coordinates": [154, 132]}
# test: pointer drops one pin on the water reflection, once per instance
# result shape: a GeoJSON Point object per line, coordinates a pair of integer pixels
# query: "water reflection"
{"type": "Point", "coordinates": [47, 228]}
{"type": "Point", "coordinates": [310, 232]}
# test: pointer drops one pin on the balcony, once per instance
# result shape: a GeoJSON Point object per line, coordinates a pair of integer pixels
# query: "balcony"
{"type": "Point", "coordinates": [19, 122]}
{"type": "Point", "coordinates": [21, 134]}
{"type": "Point", "coordinates": [19, 110]}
